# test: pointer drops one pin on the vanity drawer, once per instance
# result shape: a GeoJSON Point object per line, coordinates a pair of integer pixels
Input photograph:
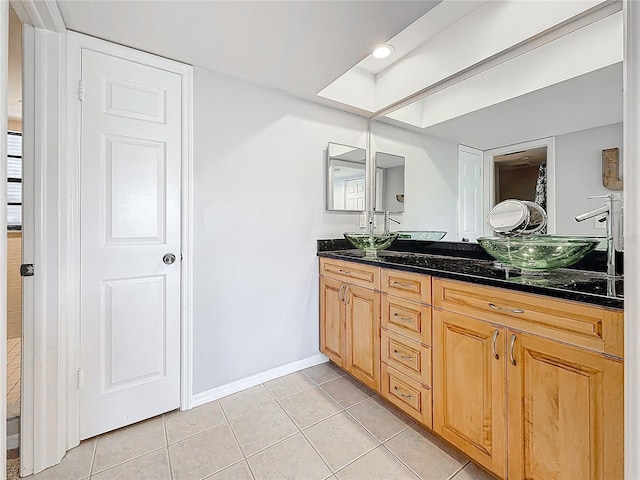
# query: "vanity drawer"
{"type": "Point", "coordinates": [407, 356]}
{"type": "Point", "coordinates": [351, 272]}
{"type": "Point", "coordinates": [407, 318]}
{"type": "Point", "coordinates": [407, 394]}
{"type": "Point", "coordinates": [411, 286]}
{"type": "Point", "coordinates": [591, 327]}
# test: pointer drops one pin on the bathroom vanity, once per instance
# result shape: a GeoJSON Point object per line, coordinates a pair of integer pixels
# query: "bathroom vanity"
{"type": "Point", "coordinates": [525, 376]}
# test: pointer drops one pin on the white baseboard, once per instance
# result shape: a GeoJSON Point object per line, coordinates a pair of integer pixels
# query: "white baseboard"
{"type": "Point", "coordinates": [13, 441]}
{"type": "Point", "coordinates": [252, 381]}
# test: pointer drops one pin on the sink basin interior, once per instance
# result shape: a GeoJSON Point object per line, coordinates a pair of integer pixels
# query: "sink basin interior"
{"type": "Point", "coordinates": [428, 235]}
{"type": "Point", "coordinates": [539, 252]}
{"type": "Point", "coordinates": [370, 243]}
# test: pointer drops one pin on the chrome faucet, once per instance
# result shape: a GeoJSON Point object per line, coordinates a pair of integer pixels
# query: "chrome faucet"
{"type": "Point", "coordinates": [387, 221]}
{"type": "Point", "coordinates": [610, 217]}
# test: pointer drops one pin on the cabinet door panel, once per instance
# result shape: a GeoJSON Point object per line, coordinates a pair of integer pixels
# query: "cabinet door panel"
{"type": "Point", "coordinates": [565, 413]}
{"type": "Point", "coordinates": [332, 326]}
{"type": "Point", "coordinates": [363, 335]}
{"type": "Point", "coordinates": [469, 387]}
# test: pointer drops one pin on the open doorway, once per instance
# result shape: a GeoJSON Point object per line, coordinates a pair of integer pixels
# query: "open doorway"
{"type": "Point", "coordinates": [524, 171]}
{"type": "Point", "coordinates": [521, 175]}
{"type": "Point", "coordinates": [14, 243]}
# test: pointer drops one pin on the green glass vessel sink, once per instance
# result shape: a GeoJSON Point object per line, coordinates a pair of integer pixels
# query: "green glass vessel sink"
{"type": "Point", "coordinates": [539, 253]}
{"type": "Point", "coordinates": [370, 243]}
{"type": "Point", "coordinates": [429, 235]}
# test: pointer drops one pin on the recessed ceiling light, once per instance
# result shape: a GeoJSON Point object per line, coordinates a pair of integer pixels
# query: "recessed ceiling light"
{"type": "Point", "coordinates": [383, 51]}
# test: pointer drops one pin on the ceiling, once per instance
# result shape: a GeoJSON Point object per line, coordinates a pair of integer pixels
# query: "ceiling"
{"type": "Point", "coordinates": [298, 47]}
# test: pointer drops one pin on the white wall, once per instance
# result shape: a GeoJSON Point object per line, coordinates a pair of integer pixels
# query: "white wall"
{"type": "Point", "coordinates": [259, 209]}
{"type": "Point", "coordinates": [430, 177]}
{"type": "Point", "coordinates": [579, 174]}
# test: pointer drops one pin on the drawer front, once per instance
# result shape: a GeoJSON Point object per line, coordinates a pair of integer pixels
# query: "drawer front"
{"type": "Point", "coordinates": [351, 272]}
{"type": "Point", "coordinates": [407, 318]}
{"type": "Point", "coordinates": [576, 323]}
{"type": "Point", "coordinates": [407, 394]}
{"type": "Point", "coordinates": [407, 356]}
{"type": "Point", "coordinates": [411, 286]}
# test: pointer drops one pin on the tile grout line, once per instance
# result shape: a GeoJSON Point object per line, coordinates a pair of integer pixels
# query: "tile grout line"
{"type": "Point", "coordinates": [459, 470]}
{"type": "Point", "coordinates": [244, 457]}
{"type": "Point", "coordinates": [401, 460]}
{"type": "Point", "coordinates": [93, 458]}
{"type": "Point", "coordinates": [166, 441]}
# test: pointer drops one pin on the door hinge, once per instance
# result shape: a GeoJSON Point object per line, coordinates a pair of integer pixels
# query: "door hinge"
{"type": "Point", "coordinates": [81, 90]}
{"type": "Point", "coordinates": [80, 378]}
{"type": "Point", "coordinates": [26, 270]}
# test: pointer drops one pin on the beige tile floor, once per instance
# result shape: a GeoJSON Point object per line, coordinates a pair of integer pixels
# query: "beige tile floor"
{"type": "Point", "coordinates": [314, 424]}
{"type": "Point", "coordinates": [14, 353]}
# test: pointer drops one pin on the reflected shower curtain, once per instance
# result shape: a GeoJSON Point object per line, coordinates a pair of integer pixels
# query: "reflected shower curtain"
{"type": "Point", "coordinates": [541, 190]}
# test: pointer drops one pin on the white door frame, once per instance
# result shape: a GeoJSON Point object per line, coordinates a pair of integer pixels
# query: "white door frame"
{"type": "Point", "coordinates": [42, 440]}
{"type": "Point", "coordinates": [489, 176]}
{"type": "Point", "coordinates": [70, 216]}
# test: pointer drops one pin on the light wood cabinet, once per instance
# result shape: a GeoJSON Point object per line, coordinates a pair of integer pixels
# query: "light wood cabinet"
{"type": "Point", "coordinates": [350, 319]}
{"type": "Point", "coordinates": [565, 411]}
{"type": "Point", "coordinates": [362, 320]}
{"type": "Point", "coordinates": [563, 416]}
{"type": "Point", "coordinates": [406, 343]}
{"type": "Point", "coordinates": [469, 387]}
{"type": "Point", "coordinates": [529, 387]}
{"type": "Point", "coordinates": [332, 323]}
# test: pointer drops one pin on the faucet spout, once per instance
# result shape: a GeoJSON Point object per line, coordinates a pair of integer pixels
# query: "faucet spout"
{"type": "Point", "coordinates": [387, 221]}
{"type": "Point", "coordinates": [608, 210]}
{"type": "Point", "coordinates": [592, 213]}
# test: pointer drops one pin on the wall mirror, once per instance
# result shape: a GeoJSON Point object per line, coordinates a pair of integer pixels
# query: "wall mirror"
{"type": "Point", "coordinates": [459, 165]}
{"type": "Point", "coordinates": [389, 182]}
{"type": "Point", "coordinates": [345, 179]}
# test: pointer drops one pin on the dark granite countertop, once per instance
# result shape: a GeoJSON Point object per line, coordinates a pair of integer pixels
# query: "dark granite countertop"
{"type": "Point", "coordinates": [470, 265]}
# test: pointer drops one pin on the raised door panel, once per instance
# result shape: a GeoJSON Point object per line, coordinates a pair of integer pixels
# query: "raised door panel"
{"type": "Point", "coordinates": [363, 335]}
{"type": "Point", "coordinates": [469, 387]}
{"type": "Point", "coordinates": [565, 413]}
{"type": "Point", "coordinates": [332, 326]}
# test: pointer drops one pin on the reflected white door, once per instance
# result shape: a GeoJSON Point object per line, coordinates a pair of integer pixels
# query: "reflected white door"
{"type": "Point", "coordinates": [470, 203]}
{"type": "Point", "coordinates": [130, 218]}
{"type": "Point", "coordinates": [354, 194]}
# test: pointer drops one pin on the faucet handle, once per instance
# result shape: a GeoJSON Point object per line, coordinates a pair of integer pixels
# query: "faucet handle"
{"type": "Point", "coordinates": [607, 195]}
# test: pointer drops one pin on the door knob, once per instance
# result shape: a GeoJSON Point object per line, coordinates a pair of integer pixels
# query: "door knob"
{"type": "Point", "coordinates": [169, 258]}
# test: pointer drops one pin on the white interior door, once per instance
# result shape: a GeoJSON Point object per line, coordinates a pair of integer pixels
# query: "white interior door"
{"type": "Point", "coordinates": [470, 198]}
{"type": "Point", "coordinates": [130, 219]}
{"type": "Point", "coordinates": [354, 194]}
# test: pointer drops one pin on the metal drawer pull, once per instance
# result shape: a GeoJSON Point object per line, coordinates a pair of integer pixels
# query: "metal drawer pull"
{"type": "Point", "coordinates": [493, 346]}
{"type": "Point", "coordinates": [340, 296]}
{"type": "Point", "coordinates": [403, 319]}
{"type": "Point", "coordinates": [404, 357]}
{"type": "Point", "coordinates": [346, 272]}
{"type": "Point", "coordinates": [405, 285]}
{"type": "Point", "coordinates": [510, 310]}
{"type": "Point", "coordinates": [513, 342]}
{"type": "Point", "coordinates": [346, 295]}
{"type": "Point", "coordinates": [402, 394]}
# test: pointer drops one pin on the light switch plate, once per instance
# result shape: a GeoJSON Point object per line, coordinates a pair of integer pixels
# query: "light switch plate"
{"type": "Point", "coordinates": [598, 224]}
{"type": "Point", "coordinates": [363, 220]}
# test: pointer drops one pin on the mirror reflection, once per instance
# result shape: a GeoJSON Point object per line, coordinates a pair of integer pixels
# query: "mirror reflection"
{"type": "Point", "coordinates": [545, 145]}
{"type": "Point", "coordinates": [389, 182]}
{"type": "Point", "coordinates": [345, 178]}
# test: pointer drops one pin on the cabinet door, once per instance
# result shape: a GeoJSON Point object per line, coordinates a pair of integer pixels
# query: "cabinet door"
{"type": "Point", "coordinates": [363, 335]}
{"type": "Point", "coordinates": [469, 387]}
{"type": "Point", "coordinates": [565, 412]}
{"type": "Point", "coordinates": [332, 326]}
